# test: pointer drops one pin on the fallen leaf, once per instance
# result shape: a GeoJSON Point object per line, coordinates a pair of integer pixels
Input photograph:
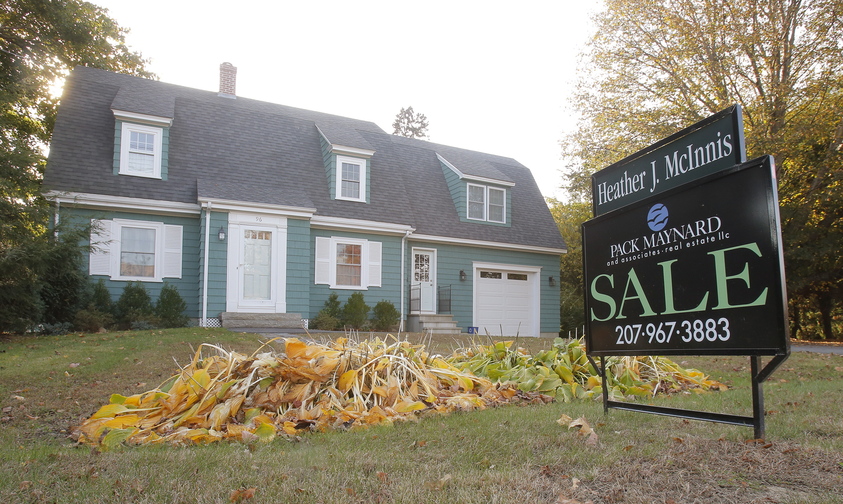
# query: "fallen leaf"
{"type": "Point", "coordinates": [564, 420]}
{"type": "Point", "coordinates": [242, 494]}
{"type": "Point", "coordinates": [74, 365]}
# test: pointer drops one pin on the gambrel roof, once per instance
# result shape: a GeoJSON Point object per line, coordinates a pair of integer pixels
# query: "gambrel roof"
{"type": "Point", "coordinates": [258, 152]}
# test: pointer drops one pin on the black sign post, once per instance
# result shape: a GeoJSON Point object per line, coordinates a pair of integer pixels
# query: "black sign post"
{"type": "Point", "coordinates": [696, 269]}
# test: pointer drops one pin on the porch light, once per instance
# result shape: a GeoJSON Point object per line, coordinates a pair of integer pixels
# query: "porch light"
{"type": "Point", "coordinates": [221, 234]}
{"type": "Point", "coordinates": [551, 281]}
{"type": "Point", "coordinates": [462, 275]}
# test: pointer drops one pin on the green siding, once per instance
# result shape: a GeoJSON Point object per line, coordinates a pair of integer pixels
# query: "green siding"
{"type": "Point", "coordinates": [186, 285]}
{"type": "Point", "coordinates": [453, 258]}
{"type": "Point", "coordinates": [390, 273]}
{"type": "Point", "coordinates": [165, 149]}
{"type": "Point", "coordinates": [458, 189]}
{"type": "Point", "coordinates": [330, 162]}
{"type": "Point", "coordinates": [217, 274]}
{"type": "Point", "coordinates": [299, 267]}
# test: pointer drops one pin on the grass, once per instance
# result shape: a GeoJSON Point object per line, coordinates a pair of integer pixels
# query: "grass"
{"type": "Point", "coordinates": [509, 454]}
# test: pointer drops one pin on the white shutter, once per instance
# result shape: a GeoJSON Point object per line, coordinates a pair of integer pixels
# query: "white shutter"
{"type": "Point", "coordinates": [323, 260]}
{"type": "Point", "coordinates": [172, 252]}
{"type": "Point", "coordinates": [99, 260]}
{"type": "Point", "coordinates": [375, 263]}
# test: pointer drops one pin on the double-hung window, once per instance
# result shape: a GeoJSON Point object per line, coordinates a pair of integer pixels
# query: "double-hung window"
{"type": "Point", "coordinates": [135, 250]}
{"type": "Point", "coordinates": [348, 263]}
{"type": "Point", "coordinates": [140, 150]}
{"type": "Point", "coordinates": [486, 203]}
{"type": "Point", "coordinates": [351, 178]}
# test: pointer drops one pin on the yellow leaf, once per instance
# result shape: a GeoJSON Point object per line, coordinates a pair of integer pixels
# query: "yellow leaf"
{"type": "Point", "coordinates": [289, 428]}
{"type": "Point", "coordinates": [109, 410]}
{"type": "Point", "coordinates": [406, 407]}
{"type": "Point", "coordinates": [347, 380]}
{"type": "Point", "coordinates": [265, 432]}
{"type": "Point", "coordinates": [122, 421]}
{"type": "Point", "coordinates": [295, 348]}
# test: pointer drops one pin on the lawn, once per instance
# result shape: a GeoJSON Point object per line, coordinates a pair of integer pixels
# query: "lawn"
{"type": "Point", "coordinates": [49, 384]}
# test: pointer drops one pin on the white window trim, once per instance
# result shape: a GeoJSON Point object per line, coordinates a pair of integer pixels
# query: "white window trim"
{"type": "Point", "coordinates": [370, 262]}
{"type": "Point", "coordinates": [350, 160]}
{"type": "Point", "coordinates": [486, 203]}
{"type": "Point", "coordinates": [489, 204]}
{"type": "Point", "coordinates": [105, 259]}
{"type": "Point", "coordinates": [125, 142]}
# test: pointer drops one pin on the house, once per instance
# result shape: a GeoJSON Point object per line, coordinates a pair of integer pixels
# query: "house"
{"type": "Point", "coordinates": [257, 212]}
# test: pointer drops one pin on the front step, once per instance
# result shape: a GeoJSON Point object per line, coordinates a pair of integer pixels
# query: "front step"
{"type": "Point", "coordinates": [433, 324]}
{"type": "Point", "coordinates": [232, 320]}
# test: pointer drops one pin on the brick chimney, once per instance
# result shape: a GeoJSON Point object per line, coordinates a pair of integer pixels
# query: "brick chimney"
{"type": "Point", "coordinates": [228, 80]}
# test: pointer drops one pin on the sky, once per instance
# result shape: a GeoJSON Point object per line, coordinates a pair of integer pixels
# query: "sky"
{"type": "Point", "coordinates": [492, 76]}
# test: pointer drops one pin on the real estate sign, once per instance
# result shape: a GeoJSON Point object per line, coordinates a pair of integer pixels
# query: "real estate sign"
{"type": "Point", "coordinates": [711, 145]}
{"type": "Point", "coordinates": [696, 269]}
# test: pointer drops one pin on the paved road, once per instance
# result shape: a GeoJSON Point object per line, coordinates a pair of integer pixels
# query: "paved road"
{"type": "Point", "coordinates": [829, 349]}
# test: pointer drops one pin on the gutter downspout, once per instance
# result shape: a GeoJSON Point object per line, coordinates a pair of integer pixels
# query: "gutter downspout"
{"type": "Point", "coordinates": [403, 267]}
{"type": "Point", "coordinates": [205, 265]}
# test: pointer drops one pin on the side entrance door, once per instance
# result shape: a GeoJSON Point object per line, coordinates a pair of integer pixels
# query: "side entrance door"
{"type": "Point", "coordinates": [423, 284]}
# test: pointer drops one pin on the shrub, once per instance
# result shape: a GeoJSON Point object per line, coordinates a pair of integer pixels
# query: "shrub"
{"type": "Point", "coordinates": [101, 298]}
{"type": "Point", "coordinates": [324, 322]}
{"type": "Point", "coordinates": [384, 316]}
{"type": "Point", "coordinates": [332, 306]}
{"type": "Point", "coordinates": [92, 320]}
{"type": "Point", "coordinates": [133, 306]}
{"type": "Point", "coordinates": [355, 313]}
{"type": "Point", "coordinates": [170, 307]}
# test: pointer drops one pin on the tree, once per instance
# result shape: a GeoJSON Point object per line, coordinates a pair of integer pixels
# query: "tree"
{"type": "Point", "coordinates": [568, 216]}
{"type": "Point", "coordinates": [410, 124]}
{"type": "Point", "coordinates": [655, 66]}
{"type": "Point", "coordinates": [40, 42]}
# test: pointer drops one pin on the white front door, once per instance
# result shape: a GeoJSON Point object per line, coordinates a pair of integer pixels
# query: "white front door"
{"type": "Point", "coordinates": [256, 263]}
{"type": "Point", "coordinates": [424, 279]}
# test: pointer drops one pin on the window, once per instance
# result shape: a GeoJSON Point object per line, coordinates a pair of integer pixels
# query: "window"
{"type": "Point", "coordinates": [140, 150]}
{"type": "Point", "coordinates": [135, 250]}
{"type": "Point", "coordinates": [351, 179]}
{"type": "Point", "coordinates": [497, 205]}
{"type": "Point", "coordinates": [476, 202]}
{"type": "Point", "coordinates": [486, 203]}
{"type": "Point", "coordinates": [348, 263]}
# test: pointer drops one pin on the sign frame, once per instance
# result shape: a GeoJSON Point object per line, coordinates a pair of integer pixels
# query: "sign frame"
{"type": "Point", "coordinates": [642, 163]}
{"type": "Point", "coordinates": [759, 373]}
{"type": "Point", "coordinates": [616, 225]}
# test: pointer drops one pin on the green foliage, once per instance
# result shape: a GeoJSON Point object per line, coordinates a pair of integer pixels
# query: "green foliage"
{"type": "Point", "coordinates": [40, 42]}
{"type": "Point", "coordinates": [656, 66]}
{"type": "Point", "coordinates": [134, 306]}
{"type": "Point", "coordinates": [325, 322]}
{"type": "Point", "coordinates": [384, 316]}
{"type": "Point", "coordinates": [92, 320]}
{"type": "Point", "coordinates": [410, 124]}
{"type": "Point", "coordinates": [328, 318]}
{"type": "Point", "coordinates": [41, 280]}
{"type": "Point", "coordinates": [170, 308]}
{"type": "Point", "coordinates": [101, 298]}
{"type": "Point", "coordinates": [569, 217]}
{"type": "Point", "coordinates": [355, 313]}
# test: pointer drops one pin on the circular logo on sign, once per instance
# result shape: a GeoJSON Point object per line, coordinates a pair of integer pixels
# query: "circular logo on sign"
{"type": "Point", "coordinates": [657, 217]}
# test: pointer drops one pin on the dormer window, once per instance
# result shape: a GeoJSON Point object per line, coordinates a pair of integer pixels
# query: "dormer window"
{"type": "Point", "coordinates": [351, 179]}
{"type": "Point", "coordinates": [486, 203]}
{"type": "Point", "coordinates": [141, 142]}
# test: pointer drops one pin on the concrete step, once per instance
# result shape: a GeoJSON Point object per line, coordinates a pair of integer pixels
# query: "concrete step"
{"type": "Point", "coordinates": [261, 320]}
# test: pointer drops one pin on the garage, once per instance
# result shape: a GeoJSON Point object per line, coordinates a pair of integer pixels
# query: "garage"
{"type": "Point", "coordinates": [506, 300]}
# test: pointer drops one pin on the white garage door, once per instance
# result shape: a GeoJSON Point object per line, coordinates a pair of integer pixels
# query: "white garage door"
{"type": "Point", "coordinates": [506, 302]}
